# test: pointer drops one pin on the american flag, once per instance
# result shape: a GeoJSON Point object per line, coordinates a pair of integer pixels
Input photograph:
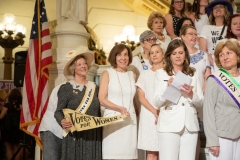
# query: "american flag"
{"type": "Point", "coordinates": [35, 87]}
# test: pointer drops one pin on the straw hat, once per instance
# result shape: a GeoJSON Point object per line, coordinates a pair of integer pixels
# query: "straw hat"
{"type": "Point", "coordinates": [71, 55]}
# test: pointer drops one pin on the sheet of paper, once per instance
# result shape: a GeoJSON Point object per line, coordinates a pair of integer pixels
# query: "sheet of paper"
{"type": "Point", "coordinates": [180, 79]}
{"type": "Point", "coordinates": [172, 92]}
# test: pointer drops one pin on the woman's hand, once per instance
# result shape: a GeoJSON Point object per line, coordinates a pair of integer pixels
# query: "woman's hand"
{"type": "Point", "coordinates": [187, 89]}
{"type": "Point", "coordinates": [66, 124]}
{"type": "Point", "coordinates": [214, 150]}
{"type": "Point", "coordinates": [124, 111]}
{"type": "Point", "coordinates": [156, 113]}
{"type": "Point", "coordinates": [170, 80]}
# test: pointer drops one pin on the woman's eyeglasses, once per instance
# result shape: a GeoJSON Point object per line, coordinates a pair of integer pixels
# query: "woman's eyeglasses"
{"type": "Point", "coordinates": [178, 2]}
{"type": "Point", "coordinates": [192, 34]}
{"type": "Point", "coordinates": [218, 7]}
{"type": "Point", "coordinates": [150, 40]}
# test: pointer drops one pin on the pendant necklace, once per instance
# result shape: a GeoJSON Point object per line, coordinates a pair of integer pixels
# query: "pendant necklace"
{"type": "Point", "coordinates": [122, 90]}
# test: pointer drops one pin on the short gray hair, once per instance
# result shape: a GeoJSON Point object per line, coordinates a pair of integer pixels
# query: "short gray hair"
{"type": "Point", "coordinates": [146, 34]}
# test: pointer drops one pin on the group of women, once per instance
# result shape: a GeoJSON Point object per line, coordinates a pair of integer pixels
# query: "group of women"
{"type": "Point", "coordinates": [166, 130]}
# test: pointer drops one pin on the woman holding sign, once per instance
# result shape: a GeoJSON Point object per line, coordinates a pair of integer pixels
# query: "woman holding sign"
{"type": "Point", "coordinates": [177, 123]}
{"type": "Point", "coordinates": [221, 108]}
{"type": "Point", "coordinates": [79, 95]}
{"type": "Point", "coordinates": [117, 90]}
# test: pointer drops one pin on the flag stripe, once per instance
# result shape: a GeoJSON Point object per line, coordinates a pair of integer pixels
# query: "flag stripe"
{"type": "Point", "coordinates": [39, 58]}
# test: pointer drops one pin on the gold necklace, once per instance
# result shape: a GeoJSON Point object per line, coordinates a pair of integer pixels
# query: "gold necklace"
{"type": "Point", "coordinates": [122, 91]}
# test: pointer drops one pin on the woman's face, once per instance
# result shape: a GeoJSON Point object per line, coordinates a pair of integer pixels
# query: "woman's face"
{"type": "Point", "coordinates": [156, 54]}
{"type": "Point", "coordinates": [204, 3]}
{"type": "Point", "coordinates": [190, 38]}
{"type": "Point", "coordinates": [187, 23]}
{"type": "Point", "coordinates": [228, 59]}
{"type": "Point", "coordinates": [122, 59]}
{"type": "Point", "coordinates": [81, 67]}
{"type": "Point", "coordinates": [235, 26]}
{"type": "Point", "coordinates": [218, 10]}
{"type": "Point", "coordinates": [148, 42]}
{"type": "Point", "coordinates": [177, 57]}
{"type": "Point", "coordinates": [157, 25]}
{"type": "Point", "coordinates": [178, 5]}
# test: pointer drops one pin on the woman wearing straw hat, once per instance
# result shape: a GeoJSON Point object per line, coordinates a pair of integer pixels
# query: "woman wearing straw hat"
{"type": "Point", "coordinates": [85, 144]}
{"type": "Point", "coordinates": [218, 12]}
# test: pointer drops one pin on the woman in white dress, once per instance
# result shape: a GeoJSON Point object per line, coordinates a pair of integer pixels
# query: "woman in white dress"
{"type": "Point", "coordinates": [177, 123]}
{"type": "Point", "coordinates": [116, 94]}
{"type": "Point", "coordinates": [147, 132]}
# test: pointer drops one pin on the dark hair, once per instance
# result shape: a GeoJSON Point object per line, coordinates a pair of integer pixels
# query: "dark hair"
{"type": "Point", "coordinates": [188, 7]}
{"type": "Point", "coordinates": [229, 30]}
{"type": "Point", "coordinates": [195, 5]}
{"type": "Point", "coordinates": [179, 24]}
{"type": "Point", "coordinates": [172, 12]}
{"type": "Point", "coordinates": [196, 9]}
{"type": "Point", "coordinates": [168, 63]}
{"type": "Point", "coordinates": [117, 50]}
{"type": "Point", "coordinates": [15, 98]}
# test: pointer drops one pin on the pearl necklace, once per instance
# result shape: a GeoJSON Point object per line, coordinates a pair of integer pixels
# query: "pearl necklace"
{"type": "Point", "coordinates": [122, 90]}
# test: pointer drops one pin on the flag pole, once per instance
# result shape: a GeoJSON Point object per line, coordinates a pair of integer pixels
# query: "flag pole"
{"type": "Point", "coordinates": [39, 69]}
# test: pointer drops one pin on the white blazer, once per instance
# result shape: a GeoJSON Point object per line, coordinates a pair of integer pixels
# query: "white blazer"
{"type": "Point", "coordinates": [184, 113]}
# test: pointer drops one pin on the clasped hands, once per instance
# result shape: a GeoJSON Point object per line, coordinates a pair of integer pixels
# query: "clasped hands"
{"type": "Point", "coordinates": [66, 124]}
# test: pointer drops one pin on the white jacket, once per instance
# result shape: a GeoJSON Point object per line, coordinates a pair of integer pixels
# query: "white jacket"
{"type": "Point", "coordinates": [184, 113]}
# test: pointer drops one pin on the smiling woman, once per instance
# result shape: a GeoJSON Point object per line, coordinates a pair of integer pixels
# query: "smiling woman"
{"type": "Point", "coordinates": [116, 94]}
{"type": "Point", "coordinates": [86, 144]}
{"type": "Point", "coordinates": [218, 12]}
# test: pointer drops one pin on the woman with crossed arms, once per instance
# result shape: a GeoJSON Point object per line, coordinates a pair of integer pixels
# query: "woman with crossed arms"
{"type": "Point", "coordinates": [221, 108]}
{"type": "Point", "coordinates": [177, 123]}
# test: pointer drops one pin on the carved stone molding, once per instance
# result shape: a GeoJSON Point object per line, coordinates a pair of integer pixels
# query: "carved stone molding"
{"type": "Point", "coordinates": [147, 6]}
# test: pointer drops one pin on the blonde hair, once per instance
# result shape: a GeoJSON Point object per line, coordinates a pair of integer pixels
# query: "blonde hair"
{"type": "Point", "coordinates": [154, 15]}
{"type": "Point", "coordinates": [150, 61]}
{"type": "Point", "coordinates": [184, 29]}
